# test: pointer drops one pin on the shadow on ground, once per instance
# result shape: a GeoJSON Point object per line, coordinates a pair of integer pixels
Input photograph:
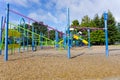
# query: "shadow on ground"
{"type": "Point", "coordinates": [77, 55]}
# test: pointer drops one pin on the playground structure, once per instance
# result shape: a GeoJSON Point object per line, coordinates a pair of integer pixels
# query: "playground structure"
{"type": "Point", "coordinates": [23, 33]}
{"type": "Point", "coordinates": [77, 38]}
{"type": "Point", "coordinates": [20, 33]}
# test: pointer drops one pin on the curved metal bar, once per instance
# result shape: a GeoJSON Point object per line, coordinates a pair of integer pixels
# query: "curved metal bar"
{"type": "Point", "coordinates": [23, 36]}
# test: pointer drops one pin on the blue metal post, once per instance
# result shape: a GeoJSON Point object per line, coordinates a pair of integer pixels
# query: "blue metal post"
{"type": "Point", "coordinates": [33, 45]}
{"type": "Point", "coordinates": [35, 38]}
{"type": "Point", "coordinates": [1, 35]}
{"type": "Point", "coordinates": [106, 33]}
{"type": "Point", "coordinates": [27, 40]}
{"type": "Point", "coordinates": [77, 43]}
{"type": "Point", "coordinates": [6, 35]}
{"type": "Point", "coordinates": [64, 41]}
{"type": "Point", "coordinates": [41, 40]}
{"type": "Point", "coordinates": [71, 39]}
{"type": "Point", "coordinates": [68, 19]}
{"type": "Point", "coordinates": [24, 36]}
{"type": "Point", "coordinates": [19, 40]}
{"type": "Point", "coordinates": [88, 38]}
{"type": "Point", "coordinates": [56, 39]}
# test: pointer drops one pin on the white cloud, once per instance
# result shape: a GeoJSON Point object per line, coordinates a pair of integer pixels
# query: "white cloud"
{"type": "Point", "coordinates": [35, 1]}
{"type": "Point", "coordinates": [24, 3]}
{"type": "Point", "coordinates": [33, 15]}
{"type": "Point", "coordinates": [41, 15]}
{"type": "Point", "coordinates": [78, 9]}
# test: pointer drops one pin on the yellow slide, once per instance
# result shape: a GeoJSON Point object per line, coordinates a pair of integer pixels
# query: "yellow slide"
{"type": "Point", "coordinates": [77, 37]}
{"type": "Point", "coordinates": [60, 42]}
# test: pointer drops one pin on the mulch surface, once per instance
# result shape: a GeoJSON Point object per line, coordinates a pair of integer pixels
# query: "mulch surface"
{"type": "Point", "coordinates": [52, 64]}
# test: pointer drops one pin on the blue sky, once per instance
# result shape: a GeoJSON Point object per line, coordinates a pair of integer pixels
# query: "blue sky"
{"type": "Point", "coordinates": [53, 12]}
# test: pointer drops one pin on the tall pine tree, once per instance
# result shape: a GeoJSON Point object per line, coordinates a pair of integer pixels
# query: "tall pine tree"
{"type": "Point", "coordinates": [75, 23]}
{"type": "Point", "coordinates": [85, 21]}
{"type": "Point", "coordinates": [96, 20]}
{"type": "Point", "coordinates": [112, 29]}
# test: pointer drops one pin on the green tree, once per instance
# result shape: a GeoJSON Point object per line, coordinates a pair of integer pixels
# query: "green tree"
{"type": "Point", "coordinates": [97, 37]}
{"type": "Point", "coordinates": [85, 21]}
{"type": "Point", "coordinates": [118, 36]}
{"type": "Point", "coordinates": [52, 34]}
{"type": "Point", "coordinates": [96, 20]}
{"type": "Point", "coordinates": [92, 24]}
{"type": "Point", "coordinates": [118, 27]}
{"type": "Point", "coordinates": [40, 28]}
{"type": "Point", "coordinates": [75, 23]}
{"type": "Point", "coordinates": [112, 29]}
